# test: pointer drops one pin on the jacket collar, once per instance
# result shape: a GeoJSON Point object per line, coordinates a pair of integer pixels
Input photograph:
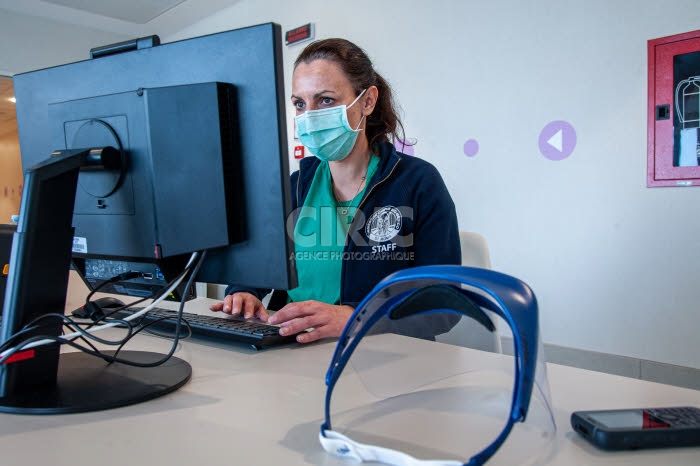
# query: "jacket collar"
{"type": "Point", "coordinates": [388, 158]}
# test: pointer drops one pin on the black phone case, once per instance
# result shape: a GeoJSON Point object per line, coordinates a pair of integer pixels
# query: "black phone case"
{"type": "Point", "coordinates": [619, 439]}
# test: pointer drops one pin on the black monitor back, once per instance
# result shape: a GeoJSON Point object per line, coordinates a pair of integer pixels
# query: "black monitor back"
{"type": "Point", "coordinates": [250, 61]}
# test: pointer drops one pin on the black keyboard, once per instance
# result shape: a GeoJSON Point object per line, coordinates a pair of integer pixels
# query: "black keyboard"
{"type": "Point", "coordinates": [257, 334]}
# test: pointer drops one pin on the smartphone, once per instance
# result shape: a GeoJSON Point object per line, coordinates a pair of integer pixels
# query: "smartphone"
{"type": "Point", "coordinates": [626, 429]}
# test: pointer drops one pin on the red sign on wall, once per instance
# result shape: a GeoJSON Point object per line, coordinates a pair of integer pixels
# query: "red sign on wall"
{"type": "Point", "coordinates": [300, 34]}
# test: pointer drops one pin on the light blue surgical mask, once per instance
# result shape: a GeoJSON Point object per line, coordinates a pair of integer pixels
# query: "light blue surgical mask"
{"type": "Point", "coordinates": [326, 133]}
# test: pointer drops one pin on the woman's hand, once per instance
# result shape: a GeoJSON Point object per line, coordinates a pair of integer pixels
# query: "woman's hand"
{"type": "Point", "coordinates": [326, 320]}
{"type": "Point", "coordinates": [242, 304]}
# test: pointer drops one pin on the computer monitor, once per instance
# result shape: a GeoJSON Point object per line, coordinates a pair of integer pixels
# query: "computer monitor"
{"type": "Point", "coordinates": [145, 153]}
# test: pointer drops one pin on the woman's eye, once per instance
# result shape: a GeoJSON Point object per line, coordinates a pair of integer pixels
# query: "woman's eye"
{"type": "Point", "coordinates": [299, 105]}
{"type": "Point", "coordinates": [326, 100]}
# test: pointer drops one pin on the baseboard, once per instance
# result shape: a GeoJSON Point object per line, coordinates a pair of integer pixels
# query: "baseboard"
{"type": "Point", "coordinates": [653, 371]}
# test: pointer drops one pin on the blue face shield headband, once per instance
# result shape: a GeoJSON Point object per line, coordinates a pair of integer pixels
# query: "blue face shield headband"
{"type": "Point", "coordinates": [424, 290]}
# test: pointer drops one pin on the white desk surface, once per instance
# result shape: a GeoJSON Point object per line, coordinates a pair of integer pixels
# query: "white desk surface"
{"type": "Point", "coordinates": [243, 407]}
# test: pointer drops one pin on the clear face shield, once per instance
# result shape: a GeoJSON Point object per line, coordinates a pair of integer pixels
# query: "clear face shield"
{"type": "Point", "coordinates": [406, 400]}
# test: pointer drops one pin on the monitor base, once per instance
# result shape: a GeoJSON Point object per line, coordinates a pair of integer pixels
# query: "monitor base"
{"type": "Point", "coordinates": [87, 383]}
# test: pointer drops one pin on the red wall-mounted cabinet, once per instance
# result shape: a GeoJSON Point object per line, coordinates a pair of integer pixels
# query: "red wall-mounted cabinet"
{"type": "Point", "coordinates": [673, 141]}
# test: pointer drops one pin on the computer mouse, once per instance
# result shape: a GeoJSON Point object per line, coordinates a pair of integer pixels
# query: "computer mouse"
{"type": "Point", "coordinates": [108, 302]}
{"type": "Point", "coordinates": [94, 309]}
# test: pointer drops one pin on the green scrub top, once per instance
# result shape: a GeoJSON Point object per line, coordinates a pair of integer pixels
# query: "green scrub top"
{"type": "Point", "coordinates": [320, 235]}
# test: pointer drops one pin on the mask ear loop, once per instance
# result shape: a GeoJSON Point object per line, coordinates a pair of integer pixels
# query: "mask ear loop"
{"type": "Point", "coordinates": [353, 103]}
{"type": "Point", "coordinates": [358, 129]}
{"type": "Point", "coordinates": [357, 98]}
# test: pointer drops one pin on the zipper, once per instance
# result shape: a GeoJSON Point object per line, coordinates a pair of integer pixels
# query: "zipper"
{"type": "Point", "coordinates": [370, 192]}
{"type": "Point", "coordinates": [350, 228]}
{"type": "Point", "coordinates": [364, 198]}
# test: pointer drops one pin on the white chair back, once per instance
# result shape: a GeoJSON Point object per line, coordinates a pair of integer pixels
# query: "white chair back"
{"type": "Point", "coordinates": [468, 332]}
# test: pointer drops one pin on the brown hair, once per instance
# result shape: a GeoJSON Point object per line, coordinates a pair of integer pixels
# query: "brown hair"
{"type": "Point", "coordinates": [383, 125]}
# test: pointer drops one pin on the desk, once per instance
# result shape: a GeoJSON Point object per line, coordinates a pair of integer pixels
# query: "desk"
{"type": "Point", "coordinates": [243, 407]}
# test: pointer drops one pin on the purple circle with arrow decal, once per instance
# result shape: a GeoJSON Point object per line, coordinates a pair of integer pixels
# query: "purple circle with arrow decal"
{"type": "Point", "coordinates": [557, 140]}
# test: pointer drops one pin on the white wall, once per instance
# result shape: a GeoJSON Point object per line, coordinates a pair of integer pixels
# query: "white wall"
{"type": "Point", "coordinates": [29, 43]}
{"type": "Point", "coordinates": [614, 264]}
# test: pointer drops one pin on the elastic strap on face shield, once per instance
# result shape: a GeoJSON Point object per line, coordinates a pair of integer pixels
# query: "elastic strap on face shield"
{"type": "Point", "coordinates": [440, 297]}
{"type": "Point", "coordinates": [340, 445]}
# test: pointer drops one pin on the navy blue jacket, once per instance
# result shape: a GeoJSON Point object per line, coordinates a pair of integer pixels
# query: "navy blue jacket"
{"type": "Point", "coordinates": [405, 219]}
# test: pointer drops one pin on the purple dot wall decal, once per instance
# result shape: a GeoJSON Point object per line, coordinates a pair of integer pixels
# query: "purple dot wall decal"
{"type": "Point", "coordinates": [405, 146]}
{"type": "Point", "coordinates": [471, 148]}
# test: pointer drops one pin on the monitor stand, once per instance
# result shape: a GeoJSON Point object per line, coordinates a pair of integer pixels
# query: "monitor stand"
{"type": "Point", "coordinates": [87, 383]}
{"type": "Point", "coordinates": [37, 380]}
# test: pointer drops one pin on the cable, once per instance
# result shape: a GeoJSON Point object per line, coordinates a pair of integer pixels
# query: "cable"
{"type": "Point", "coordinates": [176, 339]}
{"type": "Point", "coordinates": [68, 322]}
{"type": "Point", "coordinates": [47, 339]}
{"type": "Point", "coordinates": [165, 290]}
{"type": "Point", "coordinates": [117, 278]}
{"type": "Point", "coordinates": [161, 334]}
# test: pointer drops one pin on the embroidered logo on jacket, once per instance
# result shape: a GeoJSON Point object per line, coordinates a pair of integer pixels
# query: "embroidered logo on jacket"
{"type": "Point", "coordinates": [384, 224]}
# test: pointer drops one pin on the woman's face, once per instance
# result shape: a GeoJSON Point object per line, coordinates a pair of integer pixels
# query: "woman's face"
{"type": "Point", "coordinates": [322, 84]}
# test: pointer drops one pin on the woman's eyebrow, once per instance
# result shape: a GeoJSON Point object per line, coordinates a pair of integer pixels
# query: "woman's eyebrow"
{"type": "Point", "coordinates": [317, 95]}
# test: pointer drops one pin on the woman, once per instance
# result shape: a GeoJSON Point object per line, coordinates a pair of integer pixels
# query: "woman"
{"type": "Point", "coordinates": [362, 210]}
